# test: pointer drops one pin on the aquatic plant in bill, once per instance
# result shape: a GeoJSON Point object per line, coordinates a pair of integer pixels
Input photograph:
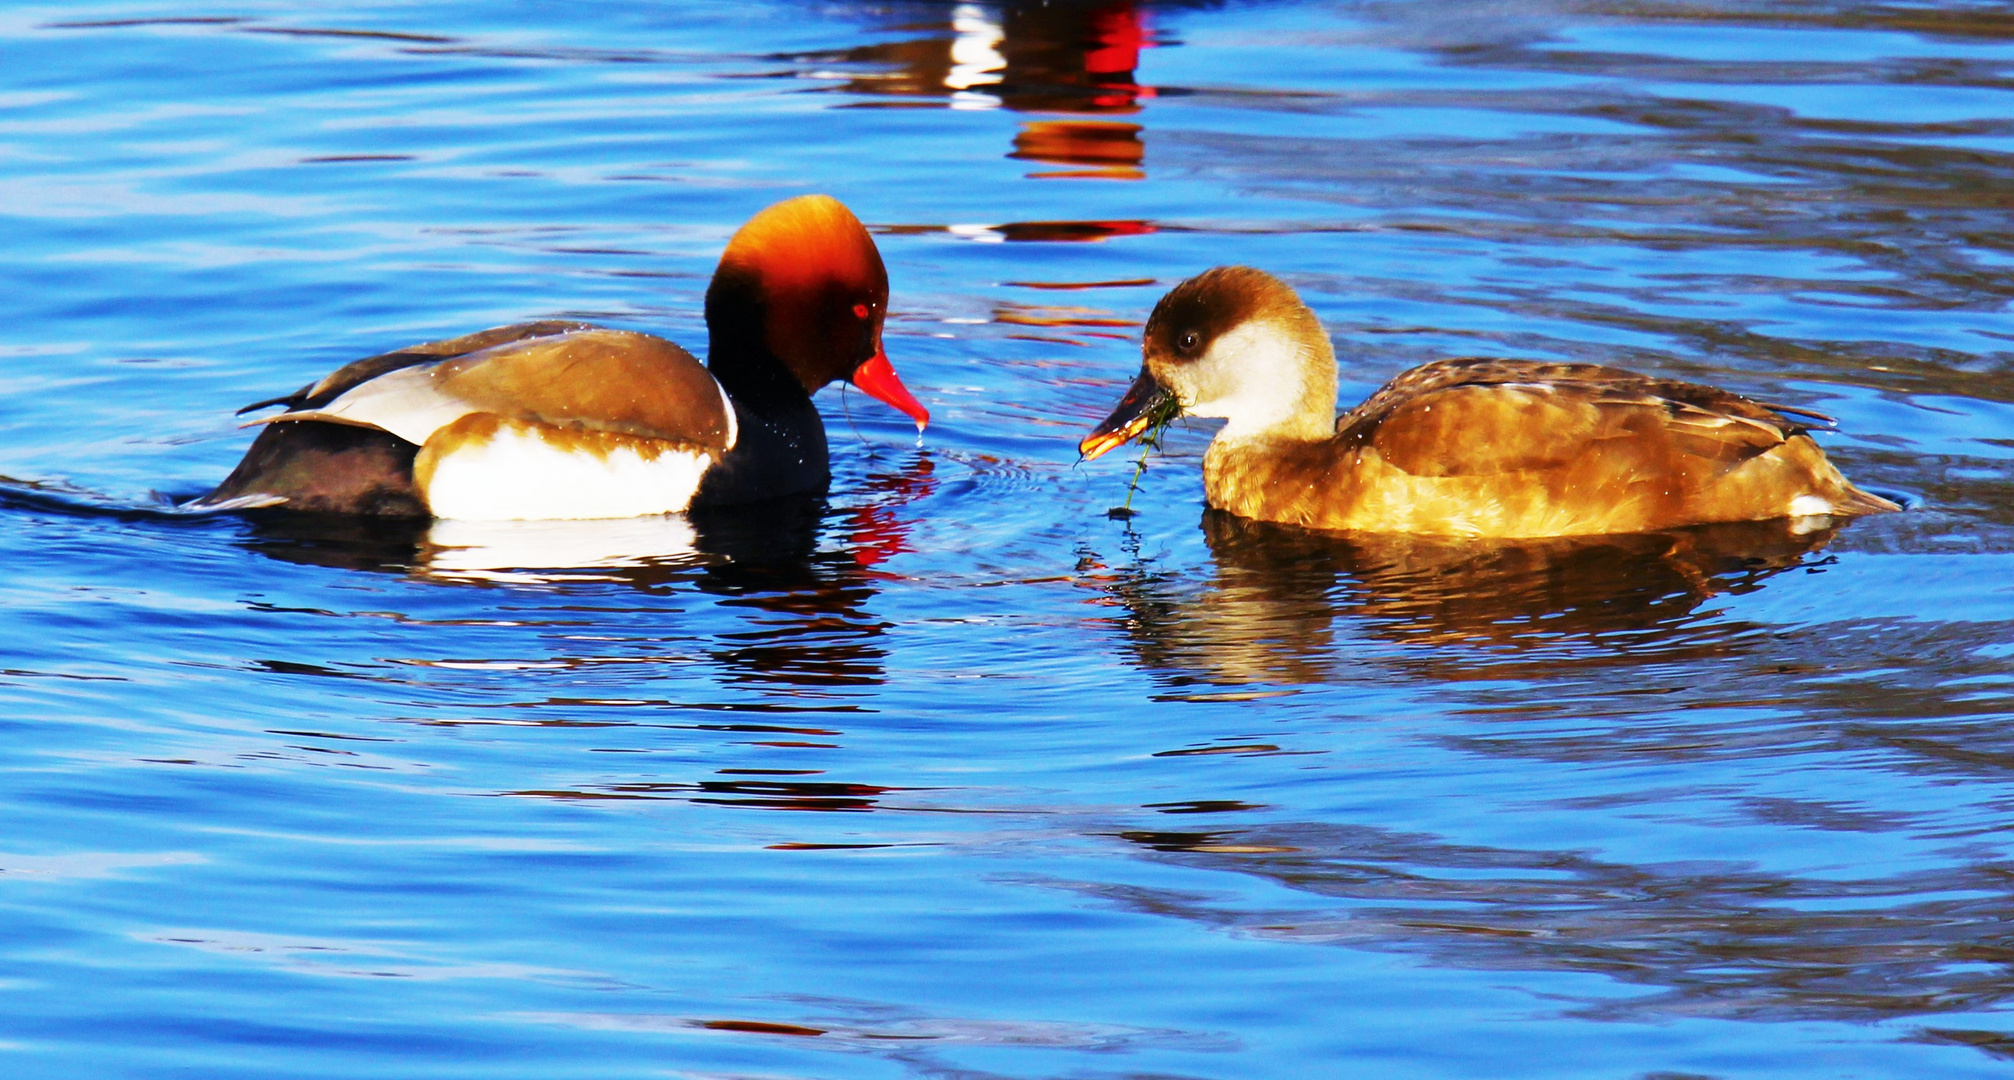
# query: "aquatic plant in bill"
{"type": "Point", "coordinates": [1159, 415]}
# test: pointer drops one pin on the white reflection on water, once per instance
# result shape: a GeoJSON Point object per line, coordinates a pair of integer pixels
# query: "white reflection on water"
{"type": "Point", "coordinates": [975, 58]}
{"type": "Point", "coordinates": [528, 551]}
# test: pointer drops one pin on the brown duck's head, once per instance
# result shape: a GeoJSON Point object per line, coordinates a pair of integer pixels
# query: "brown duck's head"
{"type": "Point", "coordinates": [803, 282]}
{"type": "Point", "coordinates": [1232, 342]}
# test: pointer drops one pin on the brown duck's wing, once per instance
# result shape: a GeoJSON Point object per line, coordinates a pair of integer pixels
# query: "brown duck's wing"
{"type": "Point", "coordinates": [350, 375]}
{"type": "Point", "coordinates": [585, 379]}
{"type": "Point", "coordinates": [1478, 417]}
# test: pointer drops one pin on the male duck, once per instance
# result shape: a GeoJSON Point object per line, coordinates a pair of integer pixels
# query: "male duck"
{"type": "Point", "coordinates": [1469, 447]}
{"type": "Point", "coordinates": [568, 420]}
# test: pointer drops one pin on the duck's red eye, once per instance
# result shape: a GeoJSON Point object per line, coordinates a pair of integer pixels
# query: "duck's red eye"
{"type": "Point", "coordinates": [860, 311]}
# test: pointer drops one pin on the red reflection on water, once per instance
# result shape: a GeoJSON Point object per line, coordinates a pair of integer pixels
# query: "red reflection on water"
{"type": "Point", "coordinates": [1071, 58]}
{"type": "Point", "coordinates": [1066, 232]}
{"type": "Point", "coordinates": [876, 531]}
{"type": "Point", "coordinates": [1073, 231]}
{"type": "Point", "coordinates": [1119, 283]}
{"type": "Point", "coordinates": [762, 1027]}
{"type": "Point", "coordinates": [1119, 33]}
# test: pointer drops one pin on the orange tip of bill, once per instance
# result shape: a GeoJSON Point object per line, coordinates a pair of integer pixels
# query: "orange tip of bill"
{"type": "Point", "coordinates": [1100, 443]}
{"type": "Point", "coordinates": [877, 377]}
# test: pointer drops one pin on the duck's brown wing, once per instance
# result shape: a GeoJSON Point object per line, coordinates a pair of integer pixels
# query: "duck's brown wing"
{"type": "Point", "coordinates": [587, 379]}
{"type": "Point", "coordinates": [1478, 417]}
{"type": "Point", "coordinates": [350, 375]}
{"type": "Point", "coordinates": [598, 380]}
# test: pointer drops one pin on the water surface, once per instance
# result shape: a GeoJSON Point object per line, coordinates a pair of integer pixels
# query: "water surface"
{"type": "Point", "coordinates": [950, 775]}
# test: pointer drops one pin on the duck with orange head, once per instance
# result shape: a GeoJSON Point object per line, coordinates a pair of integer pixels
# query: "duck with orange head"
{"type": "Point", "coordinates": [550, 420]}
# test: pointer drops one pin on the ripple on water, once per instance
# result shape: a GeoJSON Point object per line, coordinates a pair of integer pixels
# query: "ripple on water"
{"type": "Point", "coordinates": [1062, 795]}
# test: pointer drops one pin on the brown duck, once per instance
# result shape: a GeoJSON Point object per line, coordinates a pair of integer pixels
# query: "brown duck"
{"type": "Point", "coordinates": [567, 420]}
{"type": "Point", "coordinates": [1469, 447]}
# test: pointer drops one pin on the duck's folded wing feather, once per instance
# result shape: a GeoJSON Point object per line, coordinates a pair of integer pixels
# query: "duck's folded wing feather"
{"type": "Point", "coordinates": [355, 373]}
{"type": "Point", "coordinates": [586, 379]}
{"type": "Point", "coordinates": [1499, 427]}
{"type": "Point", "coordinates": [599, 380]}
{"type": "Point", "coordinates": [408, 402]}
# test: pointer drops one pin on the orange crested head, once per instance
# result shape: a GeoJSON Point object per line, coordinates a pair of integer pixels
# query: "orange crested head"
{"type": "Point", "coordinates": [803, 282]}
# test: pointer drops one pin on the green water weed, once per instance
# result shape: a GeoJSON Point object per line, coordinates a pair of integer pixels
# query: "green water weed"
{"type": "Point", "coordinates": [1159, 417]}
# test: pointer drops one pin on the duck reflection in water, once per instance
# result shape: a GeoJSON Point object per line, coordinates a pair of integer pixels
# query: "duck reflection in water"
{"type": "Point", "coordinates": [764, 558]}
{"type": "Point", "coordinates": [1278, 597]}
{"type": "Point", "coordinates": [1074, 59]}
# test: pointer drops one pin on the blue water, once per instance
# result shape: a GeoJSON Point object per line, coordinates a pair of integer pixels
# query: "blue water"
{"type": "Point", "coordinates": [951, 775]}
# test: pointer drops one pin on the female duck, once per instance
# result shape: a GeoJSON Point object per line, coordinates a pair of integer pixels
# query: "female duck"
{"type": "Point", "coordinates": [568, 420]}
{"type": "Point", "coordinates": [1483, 448]}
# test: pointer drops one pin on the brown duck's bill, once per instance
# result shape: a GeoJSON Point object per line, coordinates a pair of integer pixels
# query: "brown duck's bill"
{"type": "Point", "coordinates": [1129, 418]}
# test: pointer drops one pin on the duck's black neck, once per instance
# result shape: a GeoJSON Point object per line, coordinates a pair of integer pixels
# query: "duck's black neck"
{"type": "Point", "coordinates": [755, 377]}
{"type": "Point", "coordinates": [780, 448]}
{"type": "Point", "coordinates": [738, 351]}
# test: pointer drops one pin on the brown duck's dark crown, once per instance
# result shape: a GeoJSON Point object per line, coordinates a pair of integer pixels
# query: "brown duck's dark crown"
{"type": "Point", "coordinates": [1213, 303]}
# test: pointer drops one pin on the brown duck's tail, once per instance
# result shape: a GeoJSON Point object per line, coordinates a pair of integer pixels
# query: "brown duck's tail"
{"type": "Point", "coordinates": [1855, 501]}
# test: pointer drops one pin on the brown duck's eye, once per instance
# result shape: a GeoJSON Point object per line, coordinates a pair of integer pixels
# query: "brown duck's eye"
{"type": "Point", "coordinates": [860, 311]}
{"type": "Point", "coordinates": [1187, 342]}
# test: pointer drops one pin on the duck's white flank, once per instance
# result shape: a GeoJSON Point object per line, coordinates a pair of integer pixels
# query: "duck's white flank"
{"type": "Point", "coordinates": [516, 475]}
